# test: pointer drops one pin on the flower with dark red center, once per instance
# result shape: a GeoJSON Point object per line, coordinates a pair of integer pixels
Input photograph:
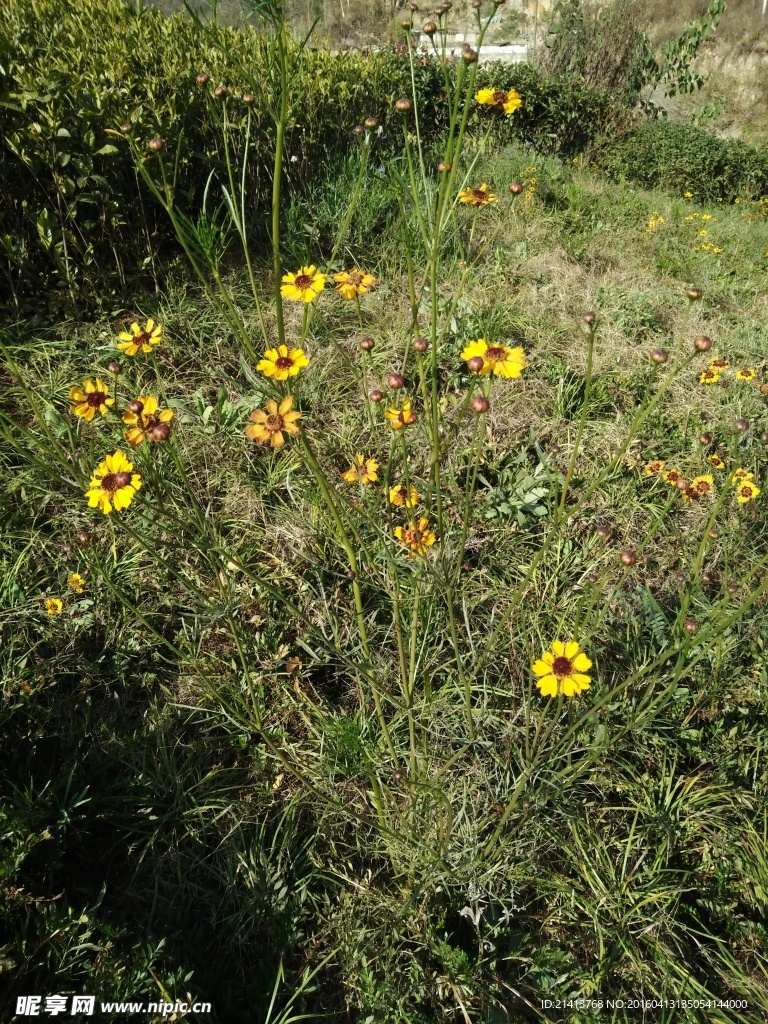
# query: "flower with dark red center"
{"type": "Point", "coordinates": [351, 283]}
{"type": "Point", "coordinates": [90, 399]}
{"type": "Point", "coordinates": [281, 363]}
{"type": "Point", "coordinates": [113, 484]}
{"type": "Point", "coordinates": [144, 421]}
{"type": "Point", "coordinates": [140, 339]}
{"type": "Point", "coordinates": [477, 196]}
{"type": "Point", "coordinates": [303, 286]}
{"type": "Point", "coordinates": [417, 537]}
{"type": "Point", "coordinates": [561, 670]}
{"type": "Point", "coordinates": [509, 102]}
{"type": "Point", "coordinates": [498, 359]}
{"type": "Point", "coordinates": [267, 426]}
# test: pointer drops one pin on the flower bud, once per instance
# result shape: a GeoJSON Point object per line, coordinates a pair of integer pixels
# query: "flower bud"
{"type": "Point", "coordinates": [707, 578]}
{"type": "Point", "coordinates": [479, 405]}
{"type": "Point", "coordinates": [114, 367]}
{"type": "Point", "coordinates": [358, 129]}
{"type": "Point", "coordinates": [220, 92]}
{"type": "Point", "coordinates": [376, 395]}
{"type": "Point", "coordinates": [694, 294]}
{"type": "Point", "coordinates": [498, 3]}
{"type": "Point", "coordinates": [84, 538]}
{"type": "Point", "coordinates": [764, 437]}
{"type": "Point", "coordinates": [249, 98]}
{"type": "Point", "coordinates": [705, 438]}
{"type": "Point", "coordinates": [122, 479]}
{"type": "Point", "coordinates": [429, 28]}
{"type": "Point", "coordinates": [403, 105]}
{"type": "Point", "coordinates": [443, 166]}
{"type": "Point", "coordinates": [714, 534]}
{"type": "Point", "coordinates": [603, 531]}
{"type": "Point", "coordinates": [413, 8]}
{"type": "Point", "coordinates": [468, 55]}
{"type": "Point", "coordinates": [160, 432]}
{"type": "Point", "coordinates": [477, 4]}
{"type": "Point", "coordinates": [702, 343]}
{"type": "Point", "coordinates": [659, 355]}
{"type": "Point", "coordinates": [420, 344]}
{"type": "Point", "coordinates": [742, 425]}
{"type": "Point", "coordinates": [475, 364]}
{"type": "Point", "coordinates": [406, 24]}
{"type": "Point", "coordinates": [66, 547]}
{"type": "Point", "coordinates": [628, 557]}
{"type": "Point", "coordinates": [366, 344]}
{"type": "Point", "coordinates": [136, 407]}
{"type": "Point", "coordinates": [395, 381]}
{"type": "Point", "coordinates": [126, 128]}
{"type": "Point", "coordinates": [202, 78]}
{"type": "Point", "coordinates": [397, 777]}
{"type": "Point", "coordinates": [589, 317]}
{"type": "Point", "coordinates": [682, 484]}
{"type": "Point", "coordinates": [156, 145]}
{"type": "Point", "coordinates": [691, 625]}
{"type": "Point", "coordinates": [732, 587]}
{"type": "Point", "coordinates": [371, 123]}
{"type": "Point", "coordinates": [516, 187]}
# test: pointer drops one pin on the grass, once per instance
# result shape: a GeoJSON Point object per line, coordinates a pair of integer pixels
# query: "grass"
{"type": "Point", "coordinates": [155, 839]}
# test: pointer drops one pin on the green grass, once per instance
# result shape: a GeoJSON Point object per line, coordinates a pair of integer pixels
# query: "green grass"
{"type": "Point", "coordinates": [153, 842]}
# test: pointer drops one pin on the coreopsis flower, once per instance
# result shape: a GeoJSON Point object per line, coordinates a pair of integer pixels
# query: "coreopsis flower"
{"type": "Point", "coordinates": [716, 461]}
{"type": "Point", "coordinates": [702, 485]}
{"type": "Point", "coordinates": [746, 374]}
{"type": "Point", "coordinates": [268, 425]}
{"type": "Point", "coordinates": [742, 474]}
{"type": "Point", "coordinates": [145, 424]}
{"type": "Point", "coordinates": [140, 339]}
{"type": "Point", "coordinates": [477, 196]}
{"type": "Point", "coordinates": [399, 418]}
{"type": "Point", "coordinates": [709, 377]}
{"type": "Point", "coordinates": [113, 484]}
{"type": "Point", "coordinates": [362, 470]}
{"type": "Point", "coordinates": [561, 670]}
{"type": "Point", "coordinates": [282, 364]}
{"type": "Point", "coordinates": [689, 494]}
{"type": "Point", "coordinates": [417, 538]}
{"type": "Point", "coordinates": [303, 286]}
{"type": "Point", "coordinates": [509, 102]}
{"type": "Point", "coordinates": [351, 283]}
{"type": "Point", "coordinates": [655, 466]}
{"type": "Point", "coordinates": [672, 476]}
{"type": "Point", "coordinates": [499, 359]}
{"type": "Point", "coordinates": [76, 582]}
{"type": "Point", "coordinates": [54, 606]}
{"type": "Point", "coordinates": [746, 491]}
{"type": "Point", "coordinates": [718, 364]}
{"type": "Point", "coordinates": [403, 495]}
{"type": "Point", "coordinates": [90, 399]}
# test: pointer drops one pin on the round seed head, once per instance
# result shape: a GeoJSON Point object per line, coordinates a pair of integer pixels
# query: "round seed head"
{"type": "Point", "coordinates": [156, 145]}
{"type": "Point", "coordinates": [376, 395]}
{"type": "Point", "coordinates": [160, 432]}
{"type": "Point", "coordinates": [420, 344]}
{"type": "Point", "coordinates": [628, 557]}
{"type": "Point", "coordinates": [126, 128]}
{"type": "Point", "coordinates": [220, 92]}
{"type": "Point", "coordinates": [691, 625]}
{"type": "Point", "coordinates": [742, 425]}
{"type": "Point", "coordinates": [202, 78]}
{"type": "Point", "coordinates": [371, 123]}
{"type": "Point", "coordinates": [705, 438]}
{"type": "Point", "coordinates": [358, 129]}
{"type": "Point", "coordinates": [603, 531]}
{"type": "Point", "coordinates": [659, 355]}
{"type": "Point", "coordinates": [475, 364]}
{"type": "Point", "coordinates": [694, 294]}
{"type": "Point", "coordinates": [443, 166]}
{"type": "Point", "coordinates": [589, 317]}
{"type": "Point", "coordinates": [479, 405]}
{"type": "Point", "coordinates": [403, 105]}
{"type": "Point", "coordinates": [702, 343]}
{"type": "Point", "coordinates": [516, 188]}
{"type": "Point", "coordinates": [429, 28]}
{"type": "Point", "coordinates": [249, 98]}
{"type": "Point", "coordinates": [468, 55]}
{"type": "Point", "coordinates": [366, 344]}
{"type": "Point", "coordinates": [406, 24]}
{"type": "Point", "coordinates": [395, 381]}
{"type": "Point", "coordinates": [84, 538]}
{"type": "Point", "coordinates": [682, 484]}
{"type": "Point", "coordinates": [136, 407]}
{"type": "Point", "coordinates": [114, 367]}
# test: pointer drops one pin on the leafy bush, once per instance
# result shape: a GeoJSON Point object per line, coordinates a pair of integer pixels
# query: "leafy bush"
{"type": "Point", "coordinates": [679, 157]}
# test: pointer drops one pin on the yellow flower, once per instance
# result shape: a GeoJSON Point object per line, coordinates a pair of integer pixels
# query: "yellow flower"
{"type": "Point", "coordinates": [282, 364]}
{"type": "Point", "coordinates": [90, 399]}
{"type": "Point", "coordinates": [403, 495]}
{"type": "Point", "coordinates": [113, 484]}
{"type": "Point", "coordinates": [709, 377]}
{"type": "Point", "coordinates": [672, 476]}
{"type": "Point", "coordinates": [416, 538]}
{"type": "Point", "coordinates": [399, 418]}
{"type": "Point", "coordinates": [702, 485]}
{"type": "Point", "coordinates": [140, 339]}
{"type": "Point", "coordinates": [746, 491]}
{"type": "Point", "coordinates": [499, 359]}
{"type": "Point", "coordinates": [688, 195]}
{"type": "Point", "coordinates": [655, 466]}
{"type": "Point", "coordinates": [718, 364]}
{"type": "Point", "coordinates": [268, 425]}
{"type": "Point", "coordinates": [716, 461]}
{"type": "Point", "coordinates": [351, 283]}
{"type": "Point", "coordinates": [748, 374]}
{"type": "Point", "coordinates": [506, 101]}
{"type": "Point", "coordinates": [742, 474]}
{"type": "Point", "coordinates": [561, 670]}
{"type": "Point", "coordinates": [477, 196]}
{"type": "Point", "coordinates": [362, 470]}
{"type": "Point", "coordinates": [305, 285]}
{"type": "Point", "coordinates": [147, 423]}
{"type": "Point", "coordinates": [54, 606]}
{"type": "Point", "coordinates": [76, 582]}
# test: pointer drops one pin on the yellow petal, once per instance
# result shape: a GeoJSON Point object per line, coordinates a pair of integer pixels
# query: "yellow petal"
{"type": "Point", "coordinates": [541, 668]}
{"type": "Point", "coordinates": [558, 648]}
{"type": "Point", "coordinates": [548, 686]}
{"type": "Point", "coordinates": [571, 649]}
{"type": "Point", "coordinates": [581, 662]}
{"type": "Point", "coordinates": [286, 405]}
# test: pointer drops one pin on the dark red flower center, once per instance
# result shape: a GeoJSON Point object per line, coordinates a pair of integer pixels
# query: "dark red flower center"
{"type": "Point", "coordinates": [142, 338]}
{"type": "Point", "coordinates": [284, 362]}
{"type": "Point", "coordinates": [562, 667]}
{"type": "Point", "coordinates": [500, 98]}
{"type": "Point", "coordinates": [495, 354]}
{"type": "Point", "coordinates": [95, 398]}
{"type": "Point", "coordinates": [746, 491]}
{"type": "Point", "coordinates": [479, 194]}
{"type": "Point", "coordinates": [302, 282]}
{"type": "Point", "coordinates": [274, 423]}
